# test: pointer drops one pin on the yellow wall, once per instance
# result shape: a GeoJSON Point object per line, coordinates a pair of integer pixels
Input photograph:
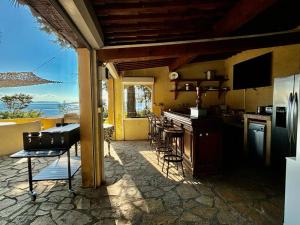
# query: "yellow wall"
{"type": "Point", "coordinates": [11, 136]}
{"type": "Point", "coordinates": [163, 85]}
{"type": "Point", "coordinates": [286, 61]}
{"type": "Point", "coordinates": [136, 129]}
{"type": "Point", "coordinates": [196, 70]}
{"type": "Point", "coordinates": [127, 129]}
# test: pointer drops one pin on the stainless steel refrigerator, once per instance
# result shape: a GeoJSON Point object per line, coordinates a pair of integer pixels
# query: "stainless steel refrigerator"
{"type": "Point", "coordinates": [284, 119]}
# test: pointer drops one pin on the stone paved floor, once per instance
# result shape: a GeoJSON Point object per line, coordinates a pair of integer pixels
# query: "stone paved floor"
{"type": "Point", "coordinates": [137, 192]}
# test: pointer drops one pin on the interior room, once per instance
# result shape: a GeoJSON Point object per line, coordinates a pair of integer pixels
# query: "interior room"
{"type": "Point", "coordinates": [202, 111]}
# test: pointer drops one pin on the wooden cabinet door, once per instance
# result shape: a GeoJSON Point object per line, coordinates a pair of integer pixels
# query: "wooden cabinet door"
{"type": "Point", "coordinates": [208, 153]}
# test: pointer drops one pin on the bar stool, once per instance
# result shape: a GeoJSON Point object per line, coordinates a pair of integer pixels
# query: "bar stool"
{"type": "Point", "coordinates": [151, 118]}
{"type": "Point", "coordinates": [162, 147]}
{"type": "Point", "coordinates": [149, 127]}
{"type": "Point", "coordinates": [156, 137]}
{"type": "Point", "coordinates": [174, 135]}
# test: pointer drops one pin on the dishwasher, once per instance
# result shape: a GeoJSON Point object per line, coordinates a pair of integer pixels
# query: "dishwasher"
{"type": "Point", "coordinates": [256, 142]}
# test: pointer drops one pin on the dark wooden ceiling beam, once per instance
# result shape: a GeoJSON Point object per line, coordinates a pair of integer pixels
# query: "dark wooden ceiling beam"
{"type": "Point", "coordinates": [144, 64]}
{"type": "Point", "coordinates": [150, 26]}
{"type": "Point", "coordinates": [162, 19]}
{"type": "Point", "coordinates": [153, 39]}
{"type": "Point", "coordinates": [162, 15]}
{"type": "Point", "coordinates": [181, 61]}
{"type": "Point", "coordinates": [154, 7]}
{"type": "Point", "coordinates": [155, 36]}
{"type": "Point", "coordinates": [202, 47]}
{"type": "Point", "coordinates": [240, 14]}
{"type": "Point", "coordinates": [150, 33]}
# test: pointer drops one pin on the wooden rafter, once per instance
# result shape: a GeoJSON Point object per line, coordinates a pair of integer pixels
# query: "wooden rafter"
{"type": "Point", "coordinates": [144, 64]}
{"type": "Point", "coordinates": [181, 61]}
{"type": "Point", "coordinates": [154, 7]}
{"type": "Point", "coordinates": [204, 47]}
{"type": "Point", "coordinates": [240, 14]}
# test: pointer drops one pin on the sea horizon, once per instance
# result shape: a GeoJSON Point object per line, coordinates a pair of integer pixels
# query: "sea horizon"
{"type": "Point", "coordinates": [48, 108]}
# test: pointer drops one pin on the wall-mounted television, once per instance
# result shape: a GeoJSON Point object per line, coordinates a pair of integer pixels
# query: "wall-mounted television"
{"type": "Point", "coordinates": [253, 73]}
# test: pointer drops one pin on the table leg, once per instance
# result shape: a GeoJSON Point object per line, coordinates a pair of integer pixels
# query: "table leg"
{"type": "Point", "coordinates": [76, 149]}
{"type": "Point", "coordinates": [69, 171]}
{"type": "Point", "coordinates": [31, 192]}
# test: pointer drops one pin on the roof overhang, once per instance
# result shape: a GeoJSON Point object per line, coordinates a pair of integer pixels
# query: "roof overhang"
{"type": "Point", "coordinates": [81, 14]}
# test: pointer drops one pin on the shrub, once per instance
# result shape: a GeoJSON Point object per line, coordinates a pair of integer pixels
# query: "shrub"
{"type": "Point", "coordinates": [16, 104]}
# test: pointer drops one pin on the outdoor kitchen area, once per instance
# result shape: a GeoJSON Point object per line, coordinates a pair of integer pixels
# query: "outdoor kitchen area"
{"type": "Point", "coordinates": [187, 114]}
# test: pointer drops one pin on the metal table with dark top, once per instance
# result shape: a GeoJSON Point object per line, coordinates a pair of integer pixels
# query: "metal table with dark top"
{"type": "Point", "coordinates": [53, 142]}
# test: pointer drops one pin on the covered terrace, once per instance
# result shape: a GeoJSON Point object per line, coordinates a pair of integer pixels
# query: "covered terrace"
{"type": "Point", "coordinates": [134, 45]}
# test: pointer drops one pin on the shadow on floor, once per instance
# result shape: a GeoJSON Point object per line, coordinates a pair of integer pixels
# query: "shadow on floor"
{"type": "Point", "coordinates": [245, 196]}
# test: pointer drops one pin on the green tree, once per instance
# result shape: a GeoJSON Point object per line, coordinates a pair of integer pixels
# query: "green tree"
{"type": "Point", "coordinates": [17, 102]}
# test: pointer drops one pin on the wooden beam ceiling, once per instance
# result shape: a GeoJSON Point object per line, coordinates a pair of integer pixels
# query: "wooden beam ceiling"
{"type": "Point", "coordinates": [181, 61]}
{"type": "Point", "coordinates": [201, 47]}
{"type": "Point", "coordinates": [176, 6]}
{"type": "Point", "coordinates": [240, 14]}
{"type": "Point", "coordinates": [144, 64]}
{"type": "Point", "coordinates": [183, 19]}
{"type": "Point", "coordinates": [130, 22]}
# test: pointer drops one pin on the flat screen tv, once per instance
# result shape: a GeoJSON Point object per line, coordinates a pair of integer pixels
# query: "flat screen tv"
{"type": "Point", "coordinates": [253, 73]}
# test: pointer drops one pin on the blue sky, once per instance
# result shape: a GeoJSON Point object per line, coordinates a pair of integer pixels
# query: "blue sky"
{"type": "Point", "coordinates": [23, 47]}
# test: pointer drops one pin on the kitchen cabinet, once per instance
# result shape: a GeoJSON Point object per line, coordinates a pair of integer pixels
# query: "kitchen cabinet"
{"type": "Point", "coordinates": [202, 143]}
{"type": "Point", "coordinates": [205, 85]}
{"type": "Point", "coordinates": [208, 153]}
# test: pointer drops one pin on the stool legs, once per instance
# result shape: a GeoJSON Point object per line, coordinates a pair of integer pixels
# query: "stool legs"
{"type": "Point", "coordinates": [177, 155]}
{"type": "Point", "coordinates": [168, 169]}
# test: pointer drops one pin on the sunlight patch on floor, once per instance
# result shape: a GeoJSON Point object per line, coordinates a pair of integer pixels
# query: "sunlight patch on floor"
{"type": "Point", "coordinates": [174, 174]}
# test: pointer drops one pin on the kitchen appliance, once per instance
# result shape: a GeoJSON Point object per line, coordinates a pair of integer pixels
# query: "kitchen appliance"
{"type": "Point", "coordinates": [210, 74]}
{"type": "Point", "coordinates": [284, 119]}
{"type": "Point", "coordinates": [260, 110]}
{"type": "Point", "coordinates": [264, 110]}
{"type": "Point", "coordinates": [188, 86]}
{"type": "Point", "coordinates": [197, 112]}
{"type": "Point", "coordinates": [256, 142]}
{"type": "Point", "coordinates": [269, 110]}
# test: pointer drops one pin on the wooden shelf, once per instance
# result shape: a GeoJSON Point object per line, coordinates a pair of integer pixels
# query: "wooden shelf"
{"type": "Point", "coordinates": [222, 79]}
{"type": "Point", "coordinates": [182, 90]}
{"type": "Point", "coordinates": [203, 89]}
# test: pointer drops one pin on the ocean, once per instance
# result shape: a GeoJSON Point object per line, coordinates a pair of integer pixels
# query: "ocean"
{"type": "Point", "coordinates": [49, 109]}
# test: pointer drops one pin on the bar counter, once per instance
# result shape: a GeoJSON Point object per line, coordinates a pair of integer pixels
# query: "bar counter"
{"type": "Point", "coordinates": [202, 142]}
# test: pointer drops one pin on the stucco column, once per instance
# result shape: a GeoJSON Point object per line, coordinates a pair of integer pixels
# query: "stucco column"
{"type": "Point", "coordinates": [90, 122]}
